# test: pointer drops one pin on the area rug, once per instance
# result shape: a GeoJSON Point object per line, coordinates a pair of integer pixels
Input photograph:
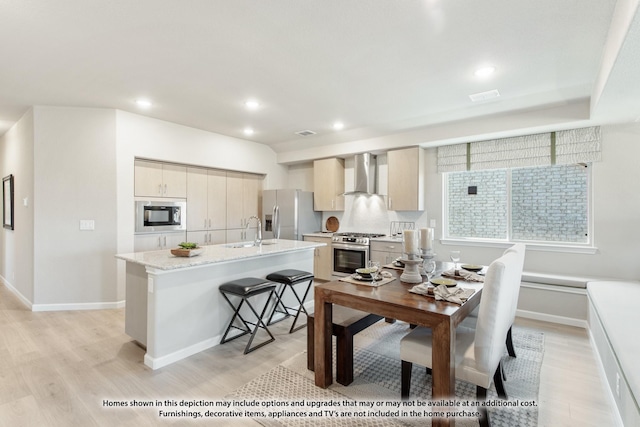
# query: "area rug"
{"type": "Point", "coordinates": [286, 395]}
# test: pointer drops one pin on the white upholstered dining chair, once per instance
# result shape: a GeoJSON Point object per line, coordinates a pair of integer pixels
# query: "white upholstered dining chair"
{"type": "Point", "coordinates": [479, 351]}
{"type": "Point", "coordinates": [471, 319]}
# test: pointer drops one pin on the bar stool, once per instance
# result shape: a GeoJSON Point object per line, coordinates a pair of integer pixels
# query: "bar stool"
{"type": "Point", "coordinates": [288, 279]}
{"type": "Point", "coordinates": [246, 288]}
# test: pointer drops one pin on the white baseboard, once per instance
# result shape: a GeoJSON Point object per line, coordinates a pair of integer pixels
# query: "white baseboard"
{"type": "Point", "coordinates": [78, 306]}
{"type": "Point", "coordinates": [552, 318]}
{"type": "Point", "coordinates": [159, 362]}
{"type": "Point", "coordinates": [62, 307]}
{"type": "Point", "coordinates": [17, 293]}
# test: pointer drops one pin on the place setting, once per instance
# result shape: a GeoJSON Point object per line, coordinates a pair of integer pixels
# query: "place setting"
{"type": "Point", "coordinates": [446, 287]}
{"type": "Point", "coordinates": [371, 275]}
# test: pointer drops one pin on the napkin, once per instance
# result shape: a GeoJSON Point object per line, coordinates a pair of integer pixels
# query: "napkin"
{"type": "Point", "coordinates": [464, 275]}
{"type": "Point", "coordinates": [454, 294]}
{"type": "Point", "coordinates": [422, 289]}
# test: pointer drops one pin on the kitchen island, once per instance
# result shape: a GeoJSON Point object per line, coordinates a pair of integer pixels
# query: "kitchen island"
{"type": "Point", "coordinates": [173, 306]}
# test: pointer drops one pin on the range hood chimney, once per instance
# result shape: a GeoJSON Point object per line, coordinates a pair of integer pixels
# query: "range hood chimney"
{"type": "Point", "coordinates": [364, 174]}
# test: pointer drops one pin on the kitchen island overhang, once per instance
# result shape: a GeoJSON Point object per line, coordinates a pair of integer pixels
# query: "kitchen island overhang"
{"type": "Point", "coordinates": [173, 305]}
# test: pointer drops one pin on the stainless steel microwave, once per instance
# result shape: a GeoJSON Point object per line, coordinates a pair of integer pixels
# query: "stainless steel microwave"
{"type": "Point", "coordinates": [160, 216]}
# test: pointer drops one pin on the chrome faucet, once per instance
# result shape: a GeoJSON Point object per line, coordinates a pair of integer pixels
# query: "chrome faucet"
{"type": "Point", "coordinates": [258, 240]}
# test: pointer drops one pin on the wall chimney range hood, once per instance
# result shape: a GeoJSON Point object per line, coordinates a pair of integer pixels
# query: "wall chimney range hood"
{"type": "Point", "coordinates": [364, 174]}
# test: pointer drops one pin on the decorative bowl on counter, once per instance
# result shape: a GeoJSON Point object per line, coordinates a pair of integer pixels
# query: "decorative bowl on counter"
{"type": "Point", "coordinates": [366, 272]}
{"type": "Point", "coordinates": [187, 249]}
{"type": "Point", "coordinates": [187, 252]}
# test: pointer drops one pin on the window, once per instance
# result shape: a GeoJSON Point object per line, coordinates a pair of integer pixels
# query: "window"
{"type": "Point", "coordinates": [533, 204]}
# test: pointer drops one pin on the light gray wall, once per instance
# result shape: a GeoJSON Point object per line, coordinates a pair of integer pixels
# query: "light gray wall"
{"type": "Point", "coordinates": [616, 212]}
{"type": "Point", "coordinates": [75, 178]}
{"type": "Point", "coordinates": [16, 246]}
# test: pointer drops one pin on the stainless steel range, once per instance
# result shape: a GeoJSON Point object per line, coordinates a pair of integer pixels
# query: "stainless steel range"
{"type": "Point", "coordinates": [350, 251]}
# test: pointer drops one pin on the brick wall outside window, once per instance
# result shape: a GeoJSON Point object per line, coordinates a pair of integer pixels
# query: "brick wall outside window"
{"type": "Point", "coordinates": [547, 204]}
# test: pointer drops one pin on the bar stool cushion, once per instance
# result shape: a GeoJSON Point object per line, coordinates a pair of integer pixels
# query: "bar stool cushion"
{"type": "Point", "coordinates": [290, 276]}
{"type": "Point", "coordinates": [247, 286]}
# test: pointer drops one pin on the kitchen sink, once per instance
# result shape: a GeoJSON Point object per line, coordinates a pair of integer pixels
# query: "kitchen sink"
{"type": "Point", "coordinates": [240, 245]}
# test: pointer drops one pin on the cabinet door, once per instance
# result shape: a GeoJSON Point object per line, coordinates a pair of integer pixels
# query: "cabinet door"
{"type": "Point", "coordinates": [328, 185]}
{"type": "Point", "coordinates": [234, 235]}
{"type": "Point", "coordinates": [252, 193]}
{"type": "Point", "coordinates": [172, 240]}
{"type": "Point", "coordinates": [148, 179]}
{"type": "Point", "coordinates": [197, 190]}
{"type": "Point", "coordinates": [217, 237]}
{"type": "Point", "coordinates": [406, 180]}
{"type": "Point", "coordinates": [217, 200]}
{"type": "Point", "coordinates": [235, 213]}
{"type": "Point", "coordinates": [199, 237]}
{"type": "Point", "coordinates": [174, 181]}
{"type": "Point", "coordinates": [147, 242]}
{"type": "Point", "coordinates": [322, 262]}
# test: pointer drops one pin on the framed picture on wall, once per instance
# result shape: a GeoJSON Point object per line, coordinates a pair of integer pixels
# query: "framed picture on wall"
{"type": "Point", "coordinates": [7, 202]}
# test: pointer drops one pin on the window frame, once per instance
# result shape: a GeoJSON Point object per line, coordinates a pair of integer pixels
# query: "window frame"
{"type": "Point", "coordinates": [587, 247]}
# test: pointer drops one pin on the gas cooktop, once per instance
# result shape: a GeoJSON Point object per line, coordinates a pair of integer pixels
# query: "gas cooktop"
{"type": "Point", "coordinates": [354, 234]}
{"type": "Point", "coordinates": [353, 237]}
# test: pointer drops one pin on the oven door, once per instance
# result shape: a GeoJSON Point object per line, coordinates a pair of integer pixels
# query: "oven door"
{"type": "Point", "coordinates": [347, 258]}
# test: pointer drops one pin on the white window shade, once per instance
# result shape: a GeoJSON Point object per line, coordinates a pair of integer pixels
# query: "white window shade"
{"type": "Point", "coordinates": [578, 146]}
{"type": "Point", "coordinates": [517, 152]}
{"type": "Point", "coordinates": [452, 158]}
{"type": "Point", "coordinates": [564, 147]}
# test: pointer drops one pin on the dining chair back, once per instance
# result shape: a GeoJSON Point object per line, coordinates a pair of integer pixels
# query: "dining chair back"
{"type": "Point", "coordinates": [495, 316]}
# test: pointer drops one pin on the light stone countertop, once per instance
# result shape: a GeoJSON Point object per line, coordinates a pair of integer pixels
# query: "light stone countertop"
{"type": "Point", "coordinates": [327, 234]}
{"type": "Point", "coordinates": [164, 260]}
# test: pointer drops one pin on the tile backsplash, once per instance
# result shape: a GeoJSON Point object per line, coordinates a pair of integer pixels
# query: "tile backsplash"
{"type": "Point", "coordinates": [369, 214]}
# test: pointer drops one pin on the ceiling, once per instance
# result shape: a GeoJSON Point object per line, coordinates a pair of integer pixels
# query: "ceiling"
{"type": "Point", "coordinates": [384, 68]}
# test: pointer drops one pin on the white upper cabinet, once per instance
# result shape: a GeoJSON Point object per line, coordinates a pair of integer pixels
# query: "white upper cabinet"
{"type": "Point", "coordinates": [155, 179]}
{"type": "Point", "coordinates": [328, 185]}
{"type": "Point", "coordinates": [406, 179]}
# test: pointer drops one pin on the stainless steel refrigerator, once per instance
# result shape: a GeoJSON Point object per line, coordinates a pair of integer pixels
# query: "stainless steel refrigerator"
{"type": "Point", "coordinates": [288, 214]}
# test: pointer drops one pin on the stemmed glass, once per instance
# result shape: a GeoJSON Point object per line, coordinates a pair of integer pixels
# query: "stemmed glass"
{"type": "Point", "coordinates": [455, 257]}
{"type": "Point", "coordinates": [429, 268]}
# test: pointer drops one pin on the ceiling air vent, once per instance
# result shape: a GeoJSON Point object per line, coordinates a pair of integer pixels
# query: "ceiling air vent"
{"type": "Point", "coordinates": [305, 133]}
{"type": "Point", "coordinates": [483, 96]}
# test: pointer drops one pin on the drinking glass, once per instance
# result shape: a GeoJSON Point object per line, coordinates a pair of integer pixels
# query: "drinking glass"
{"type": "Point", "coordinates": [429, 268]}
{"type": "Point", "coordinates": [455, 257]}
{"type": "Point", "coordinates": [375, 267]}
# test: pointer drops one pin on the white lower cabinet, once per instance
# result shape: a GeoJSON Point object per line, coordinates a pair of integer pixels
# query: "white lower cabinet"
{"type": "Point", "coordinates": [210, 237]}
{"type": "Point", "coordinates": [385, 252]}
{"type": "Point", "coordinates": [157, 241]}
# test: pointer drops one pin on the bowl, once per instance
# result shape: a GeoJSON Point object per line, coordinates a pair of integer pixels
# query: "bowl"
{"type": "Point", "coordinates": [366, 272]}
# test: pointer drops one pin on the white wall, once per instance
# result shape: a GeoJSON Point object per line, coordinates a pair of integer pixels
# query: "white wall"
{"type": "Point", "coordinates": [16, 246]}
{"type": "Point", "coordinates": [74, 167]}
{"type": "Point", "coordinates": [139, 136]}
{"type": "Point", "coordinates": [616, 213]}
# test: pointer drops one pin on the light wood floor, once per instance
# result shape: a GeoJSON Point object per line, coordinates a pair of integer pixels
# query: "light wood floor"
{"type": "Point", "coordinates": [57, 368]}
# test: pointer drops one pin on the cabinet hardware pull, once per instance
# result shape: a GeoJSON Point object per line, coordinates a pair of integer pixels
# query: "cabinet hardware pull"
{"type": "Point", "coordinates": [165, 241]}
{"type": "Point", "coordinates": [160, 189]}
{"type": "Point", "coordinates": [209, 222]}
{"type": "Point", "coordinates": [165, 189]}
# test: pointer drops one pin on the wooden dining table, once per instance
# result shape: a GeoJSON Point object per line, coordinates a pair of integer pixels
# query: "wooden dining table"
{"type": "Point", "coordinates": [393, 300]}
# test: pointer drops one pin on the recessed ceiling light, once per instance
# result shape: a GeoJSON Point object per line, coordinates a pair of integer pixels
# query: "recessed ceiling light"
{"type": "Point", "coordinates": [252, 104]}
{"type": "Point", "coordinates": [248, 131]}
{"type": "Point", "coordinates": [338, 125]}
{"type": "Point", "coordinates": [485, 71]}
{"type": "Point", "coordinates": [143, 103]}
